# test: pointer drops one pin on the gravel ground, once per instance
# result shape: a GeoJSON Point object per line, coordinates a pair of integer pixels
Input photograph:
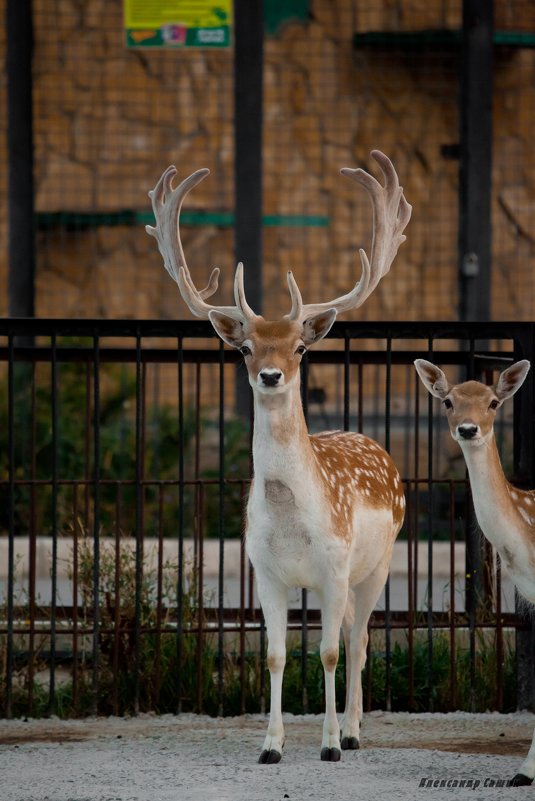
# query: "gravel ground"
{"type": "Point", "coordinates": [196, 758]}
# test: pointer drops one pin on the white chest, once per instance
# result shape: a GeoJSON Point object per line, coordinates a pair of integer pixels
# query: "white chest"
{"type": "Point", "coordinates": [286, 533]}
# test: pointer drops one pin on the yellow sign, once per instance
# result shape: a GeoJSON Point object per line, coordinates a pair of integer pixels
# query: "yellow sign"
{"type": "Point", "coordinates": [178, 23]}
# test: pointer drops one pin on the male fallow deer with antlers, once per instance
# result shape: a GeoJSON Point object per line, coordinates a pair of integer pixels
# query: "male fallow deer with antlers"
{"type": "Point", "coordinates": [323, 510]}
{"type": "Point", "coordinates": [506, 515]}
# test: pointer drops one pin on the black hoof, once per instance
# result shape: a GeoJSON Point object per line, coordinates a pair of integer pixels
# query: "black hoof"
{"type": "Point", "coordinates": [330, 754]}
{"type": "Point", "coordinates": [350, 744]}
{"type": "Point", "coordinates": [270, 757]}
{"type": "Point", "coordinates": [520, 780]}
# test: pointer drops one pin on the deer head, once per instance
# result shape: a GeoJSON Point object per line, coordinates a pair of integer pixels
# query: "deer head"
{"type": "Point", "coordinates": [471, 406]}
{"type": "Point", "coordinates": [273, 350]}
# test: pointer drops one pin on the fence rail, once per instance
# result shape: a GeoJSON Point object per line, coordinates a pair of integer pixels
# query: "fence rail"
{"type": "Point", "coordinates": [124, 467]}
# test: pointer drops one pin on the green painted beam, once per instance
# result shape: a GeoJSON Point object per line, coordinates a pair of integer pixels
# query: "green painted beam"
{"type": "Point", "coordinates": [223, 219]}
{"type": "Point", "coordinates": [442, 37]}
{"type": "Point", "coordinates": [514, 39]}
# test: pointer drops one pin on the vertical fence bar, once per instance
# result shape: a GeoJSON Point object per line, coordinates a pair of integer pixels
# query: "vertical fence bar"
{"type": "Point", "coordinates": [87, 445]}
{"type": "Point", "coordinates": [262, 638]}
{"type": "Point", "coordinates": [96, 524]}
{"type": "Point", "coordinates": [198, 550]}
{"type": "Point", "coordinates": [197, 458]}
{"type": "Point", "coordinates": [347, 421]}
{"type": "Point", "coordinates": [388, 632]}
{"type": "Point", "coordinates": [32, 547]}
{"type": "Point", "coordinates": [140, 400]}
{"type": "Point", "coordinates": [75, 684]}
{"type": "Point", "coordinates": [360, 421]}
{"type": "Point", "coordinates": [200, 599]}
{"type": "Point", "coordinates": [243, 561]}
{"type": "Point", "coordinates": [347, 382]}
{"type": "Point", "coordinates": [117, 602]}
{"type": "Point", "coordinates": [221, 587]}
{"type": "Point", "coordinates": [368, 678]}
{"type": "Point", "coordinates": [416, 502]}
{"type": "Point", "coordinates": [180, 579]}
{"type": "Point", "coordinates": [413, 540]}
{"type": "Point", "coordinates": [410, 595]}
{"type": "Point", "coordinates": [430, 541]}
{"type": "Point", "coordinates": [499, 636]}
{"type": "Point", "coordinates": [473, 584]}
{"type": "Point", "coordinates": [159, 602]}
{"type": "Point", "coordinates": [11, 523]}
{"type": "Point", "coordinates": [304, 593]}
{"type": "Point", "coordinates": [453, 648]}
{"type": "Point", "coordinates": [54, 521]}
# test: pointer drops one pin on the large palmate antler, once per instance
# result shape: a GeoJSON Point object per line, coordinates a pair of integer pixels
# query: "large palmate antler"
{"type": "Point", "coordinates": [166, 204]}
{"type": "Point", "coordinates": [391, 213]}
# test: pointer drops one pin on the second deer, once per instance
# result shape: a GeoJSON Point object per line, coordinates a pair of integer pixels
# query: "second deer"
{"type": "Point", "coordinates": [506, 515]}
{"type": "Point", "coordinates": [323, 510]}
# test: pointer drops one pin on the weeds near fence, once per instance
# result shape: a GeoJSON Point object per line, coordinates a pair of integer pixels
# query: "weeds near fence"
{"type": "Point", "coordinates": [145, 674]}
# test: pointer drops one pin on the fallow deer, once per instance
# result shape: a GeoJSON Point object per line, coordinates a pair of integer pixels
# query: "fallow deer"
{"type": "Point", "coordinates": [323, 510]}
{"type": "Point", "coordinates": [506, 515]}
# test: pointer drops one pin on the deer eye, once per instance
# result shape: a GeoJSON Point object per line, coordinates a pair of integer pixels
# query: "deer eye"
{"type": "Point", "coordinates": [301, 350]}
{"type": "Point", "coordinates": [494, 404]}
{"type": "Point", "coordinates": [448, 404]}
{"type": "Point", "coordinates": [245, 351]}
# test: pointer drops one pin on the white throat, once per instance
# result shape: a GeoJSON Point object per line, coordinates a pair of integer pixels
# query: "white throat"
{"type": "Point", "coordinates": [492, 502]}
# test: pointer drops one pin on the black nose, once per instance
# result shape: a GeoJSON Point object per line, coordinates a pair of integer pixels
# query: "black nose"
{"type": "Point", "coordinates": [270, 379]}
{"type": "Point", "coordinates": [467, 432]}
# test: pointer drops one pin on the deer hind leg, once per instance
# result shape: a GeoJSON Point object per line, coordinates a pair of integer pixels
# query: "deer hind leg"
{"type": "Point", "coordinates": [273, 597]}
{"type": "Point", "coordinates": [362, 600]}
{"type": "Point", "coordinates": [527, 769]}
{"type": "Point", "coordinates": [333, 604]}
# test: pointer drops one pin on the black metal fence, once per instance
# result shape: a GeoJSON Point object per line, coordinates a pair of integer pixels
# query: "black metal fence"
{"type": "Point", "coordinates": [124, 583]}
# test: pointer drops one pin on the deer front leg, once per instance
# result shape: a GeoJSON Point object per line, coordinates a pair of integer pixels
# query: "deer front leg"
{"type": "Point", "coordinates": [527, 770]}
{"type": "Point", "coordinates": [273, 597]}
{"type": "Point", "coordinates": [333, 604]}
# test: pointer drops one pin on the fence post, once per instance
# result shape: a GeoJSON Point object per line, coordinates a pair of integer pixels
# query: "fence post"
{"type": "Point", "coordinates": [20, 155]}
{"type": "Point", "coordinates": [248, 96]}
{"type": "Point", "coordinates": [248, 72]}
{"type": "Point", "coordinates": [476, 160]}
{"type": "Point", "coordinates": [524, 476]}
{"type": "Point", "coordinates": [475, 178]}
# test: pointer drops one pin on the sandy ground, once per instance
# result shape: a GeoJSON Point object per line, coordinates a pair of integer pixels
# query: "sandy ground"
{"type": "Point", "coordinates": [194, 758]}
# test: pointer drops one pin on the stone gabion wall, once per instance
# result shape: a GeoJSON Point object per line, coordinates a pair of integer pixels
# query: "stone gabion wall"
{"type": "Point", "coordinates": [108, 120]}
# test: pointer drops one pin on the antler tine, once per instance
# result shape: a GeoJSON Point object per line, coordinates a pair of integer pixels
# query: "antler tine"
{"type": "Point", "coordinates": [239, 294]}
{"type": "Point", "coordinates": [295, 295]}
{"type": "Point", "coordinates": [391, 213]}
{"type": "Point", "coordinates": [166, 204]}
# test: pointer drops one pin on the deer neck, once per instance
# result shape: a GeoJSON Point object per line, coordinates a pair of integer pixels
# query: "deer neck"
{"type": "Point", "coordinates": [280, 439]}
{"type": "Point", "coordinates": [492, 501]}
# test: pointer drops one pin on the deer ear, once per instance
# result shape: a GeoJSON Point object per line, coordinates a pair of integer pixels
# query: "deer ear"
{"type": "Point", "coordinates": [315, 328]}
{"type": "Point", "coordinates": [433, 378]}
{"type": "Point", "coordinates": [512, 379]}
{"type": "Point", "coordinates": [230, 330]}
